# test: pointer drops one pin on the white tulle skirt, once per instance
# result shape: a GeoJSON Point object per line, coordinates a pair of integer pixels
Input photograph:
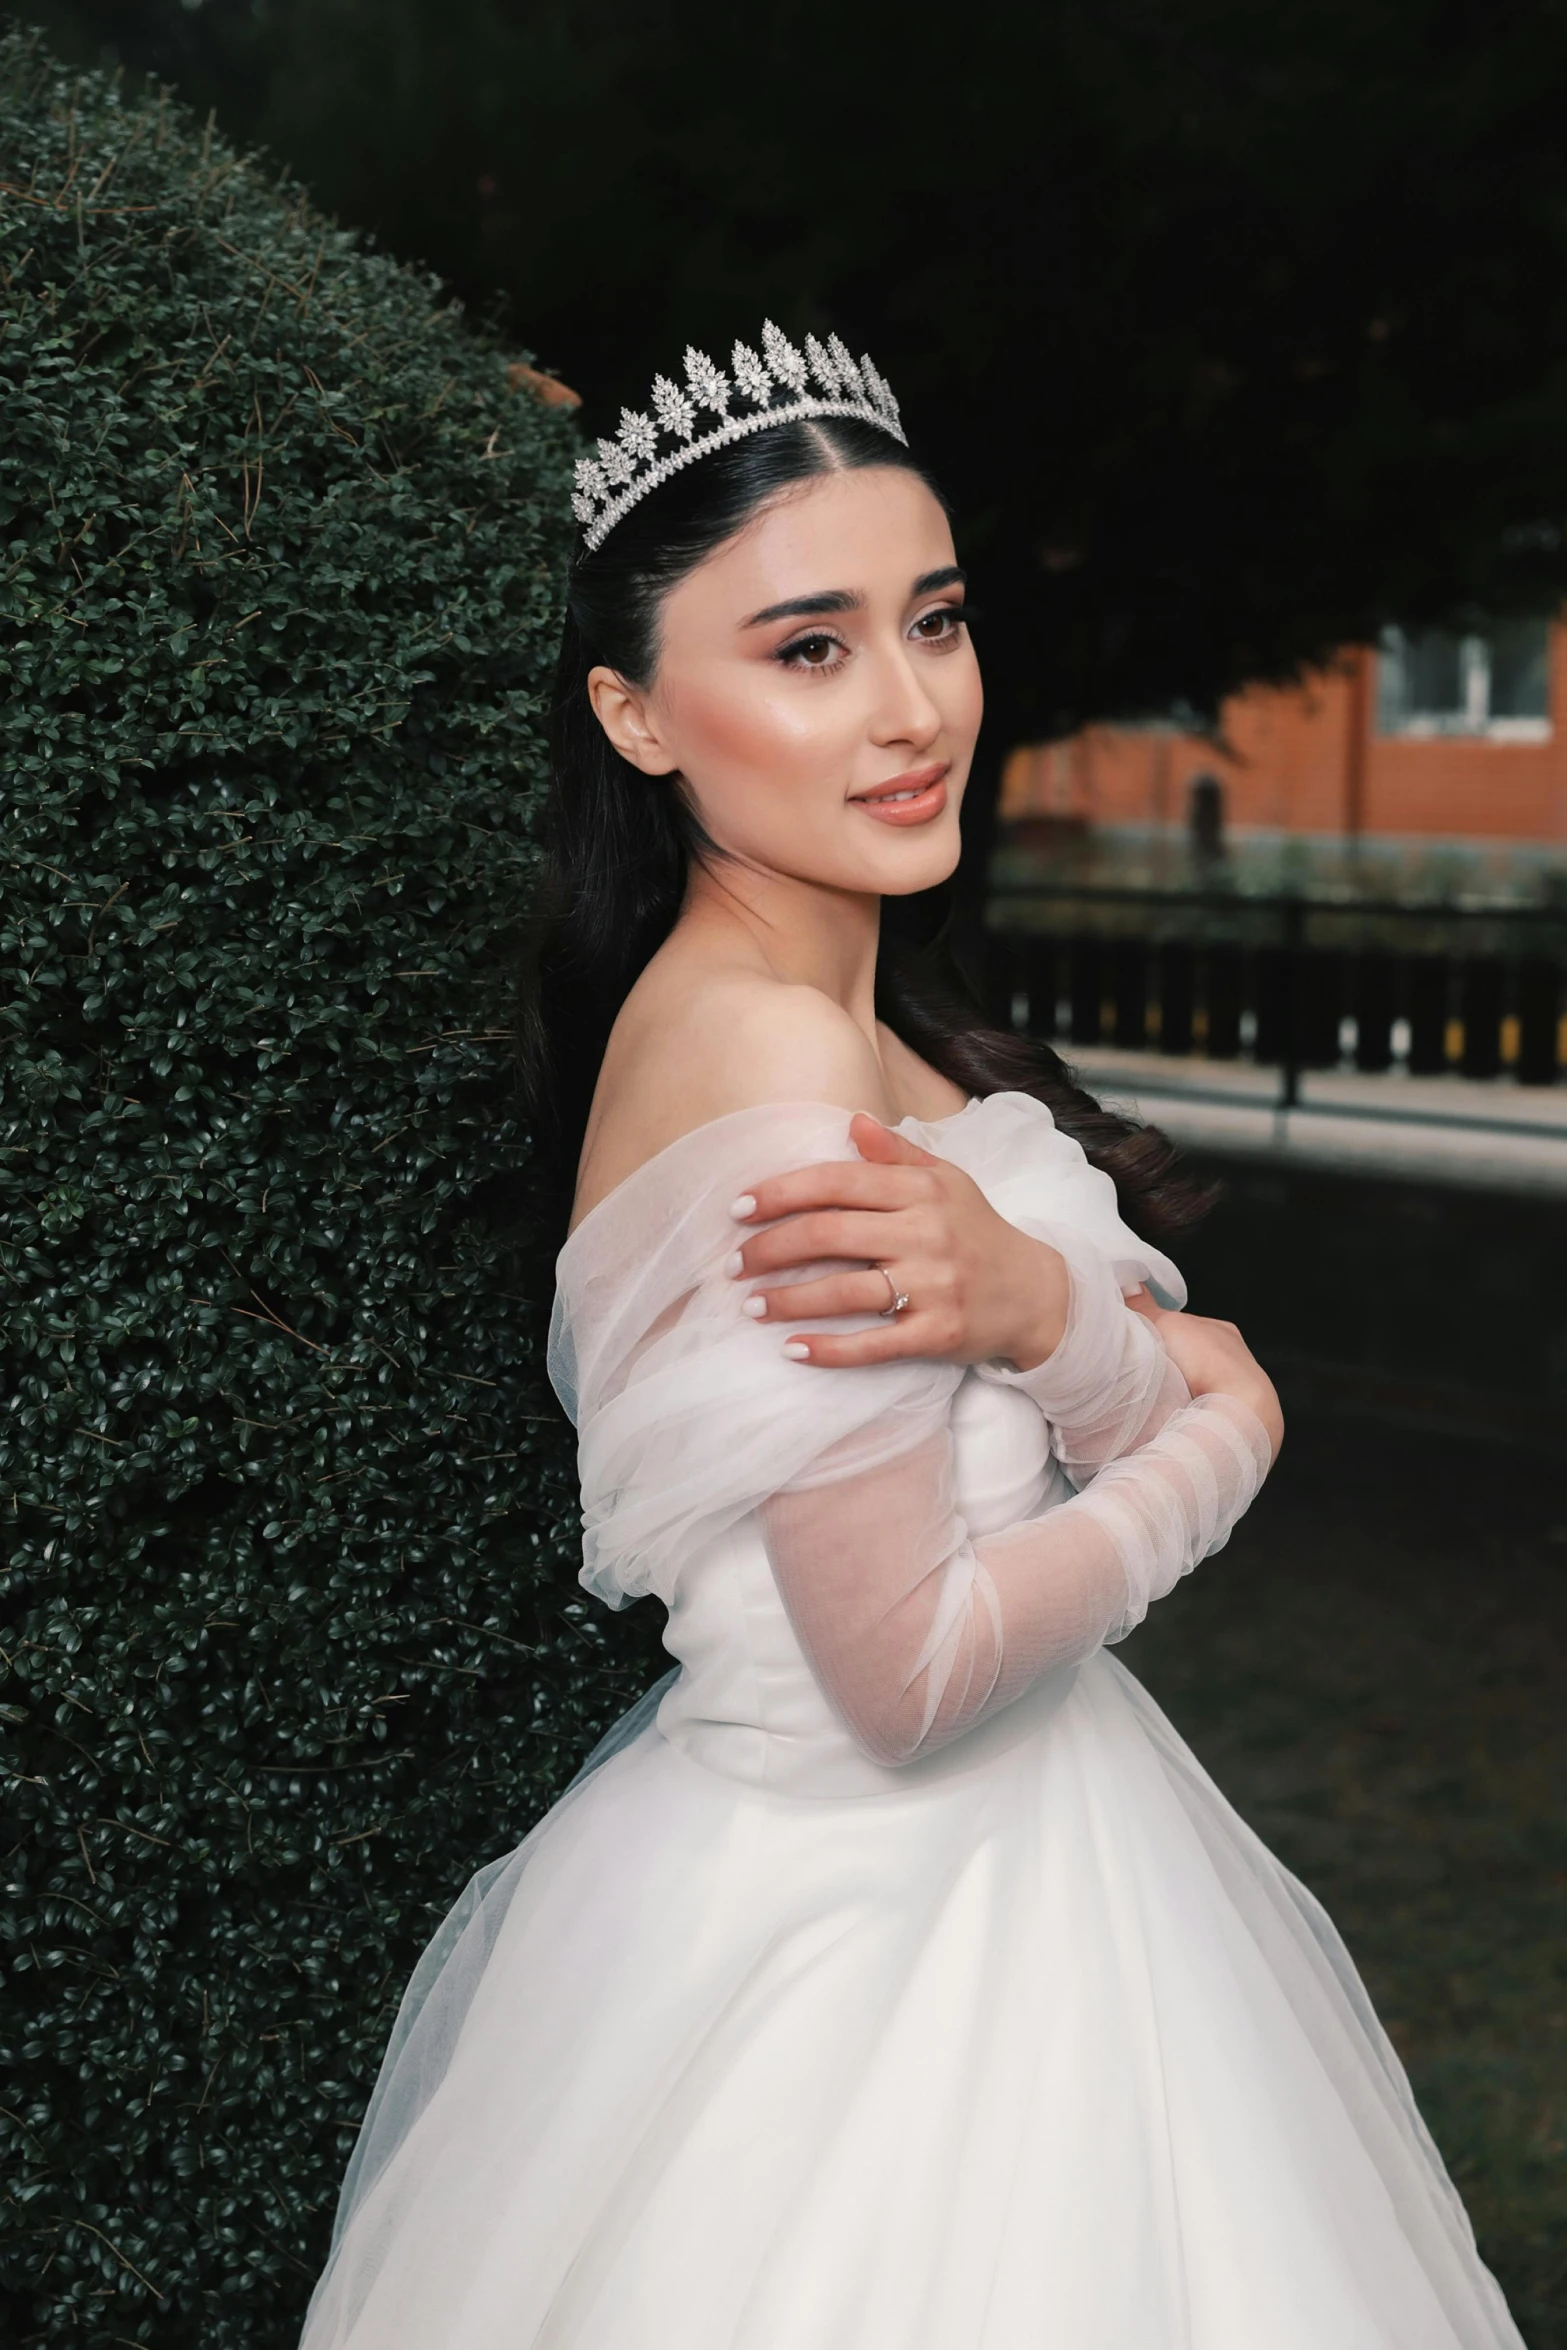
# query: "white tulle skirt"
{"type": "Point", "coordinates": [1044, 2054]}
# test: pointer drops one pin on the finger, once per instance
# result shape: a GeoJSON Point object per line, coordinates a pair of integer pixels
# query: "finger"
{"type": "Point", "coordinates": [885, 1145]}
{"type": "Point", "coordinates": [839, 1183]}
{"type": "Point", "coordinates": [863, 1236]}
{"type": "Point", "coordinates": [810, 1301]}
{"type": "Point", "coordinates": [1141, 1302]}
{"type": "Point", "coordinates": [827, 1350]}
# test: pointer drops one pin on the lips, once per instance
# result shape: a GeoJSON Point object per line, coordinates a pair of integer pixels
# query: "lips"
{"type": "Point", "coordinates": [914, 798]}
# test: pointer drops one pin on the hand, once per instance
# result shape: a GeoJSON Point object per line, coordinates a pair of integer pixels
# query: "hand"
{"type": "Point", "coordinates": [978, 1289]}
{"type": "Point", "coordinates": [1214, 1359]}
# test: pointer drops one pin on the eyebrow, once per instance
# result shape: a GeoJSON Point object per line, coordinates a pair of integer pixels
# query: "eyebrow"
{"type": "Point", "coordinates": [844, 599]}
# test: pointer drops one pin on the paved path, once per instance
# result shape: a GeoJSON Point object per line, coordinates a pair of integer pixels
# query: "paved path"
{"type": "Point", "coordinates": [1496, 1136]}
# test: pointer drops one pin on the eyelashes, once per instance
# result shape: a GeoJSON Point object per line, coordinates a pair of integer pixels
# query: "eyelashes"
{"type": "Point", "coordinates": [960, 616]}
{"type": "Point", "coordinates": [814, 649]}
{"type": "Point", "coordinates": [793, 655]}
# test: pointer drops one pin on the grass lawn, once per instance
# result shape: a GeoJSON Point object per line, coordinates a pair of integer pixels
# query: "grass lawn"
{"type": "Point", "coordinates": [1374, 1673]}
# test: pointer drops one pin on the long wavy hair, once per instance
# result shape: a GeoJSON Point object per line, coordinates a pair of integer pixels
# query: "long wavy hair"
{"type": "Point", "coordinates": [619, 846]}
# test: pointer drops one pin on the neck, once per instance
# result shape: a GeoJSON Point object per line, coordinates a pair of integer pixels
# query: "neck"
{"type": "Point", "coordinates": [807, 935]}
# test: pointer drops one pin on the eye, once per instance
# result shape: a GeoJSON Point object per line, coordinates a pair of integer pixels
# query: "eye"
{"type": "Point", "coordinates": [818, 650]}
{"type": "Point", "coordinates": [941, 625]}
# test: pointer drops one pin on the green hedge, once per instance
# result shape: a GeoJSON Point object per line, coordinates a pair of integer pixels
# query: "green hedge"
{"type": "Point", "coordinates": [291, 1638]}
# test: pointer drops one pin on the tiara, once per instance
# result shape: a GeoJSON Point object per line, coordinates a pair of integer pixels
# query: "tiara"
{"type": "Point", "coordinates": [779, 385]}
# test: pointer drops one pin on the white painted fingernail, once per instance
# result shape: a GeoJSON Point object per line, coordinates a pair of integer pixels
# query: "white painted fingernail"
{"type": "Point", "coordinates": [742, 1207]}
{"type": "Point", "coordinates": [756, 1307]}
{"type": "Point", "coordinates": [797, 1351]}
{"type": "Point", "coordinates": [734, 1264]}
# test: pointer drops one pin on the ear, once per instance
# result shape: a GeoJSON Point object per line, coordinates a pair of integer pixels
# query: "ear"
{"type": "Point", "coordinates": [622, 711]}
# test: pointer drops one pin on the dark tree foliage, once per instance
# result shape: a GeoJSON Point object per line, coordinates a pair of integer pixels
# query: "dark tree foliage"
{"type": "Point", "coordinates": [289, 1635]}
{"type": "Point", "coordinates": [1233, 325]}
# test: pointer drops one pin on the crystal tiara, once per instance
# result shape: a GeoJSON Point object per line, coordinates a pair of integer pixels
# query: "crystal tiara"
{"type": "Point", "coordinates": [779, 386]}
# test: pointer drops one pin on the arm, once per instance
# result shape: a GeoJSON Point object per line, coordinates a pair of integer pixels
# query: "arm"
{"type": "Point", "coordinates": [917, 1634]}
{"type": "Point", "coordinates": [1109, 1386]}
{"type": "Point", "coordinates": [983, 1289]}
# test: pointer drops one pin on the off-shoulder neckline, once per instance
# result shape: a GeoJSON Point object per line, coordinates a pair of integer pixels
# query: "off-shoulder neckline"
{"type": "Point", "coordinates": [709, 1125]}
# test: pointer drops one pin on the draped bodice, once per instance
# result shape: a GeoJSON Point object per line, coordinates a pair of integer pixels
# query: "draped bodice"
{"type": "Point", "coordinates": [747, 1702]}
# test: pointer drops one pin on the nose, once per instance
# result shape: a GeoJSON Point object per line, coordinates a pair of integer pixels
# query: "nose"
{"type": "Point", "coordinates": [903, 711]}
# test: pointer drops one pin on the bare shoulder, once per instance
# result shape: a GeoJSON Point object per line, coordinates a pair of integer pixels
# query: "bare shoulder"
{"type": "Point", "coordinates": [691, 1048]}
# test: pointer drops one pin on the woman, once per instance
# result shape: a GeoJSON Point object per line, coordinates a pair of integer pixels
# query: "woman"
{"type": "Point", "coordinates": [895, 1979]}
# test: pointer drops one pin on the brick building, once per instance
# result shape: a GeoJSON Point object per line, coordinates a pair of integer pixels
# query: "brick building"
{"type": "Point", "coordinates": [1428, 737]}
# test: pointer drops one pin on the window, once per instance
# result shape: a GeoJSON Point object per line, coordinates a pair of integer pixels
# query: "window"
{"type": "Point", "coordinates": [1496, 684]}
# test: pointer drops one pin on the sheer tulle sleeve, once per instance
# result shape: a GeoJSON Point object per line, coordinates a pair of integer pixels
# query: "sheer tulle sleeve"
{"type": "Point", "coordinates": [690, 1417]}
{"type": "Point", "coordinates": [917, 1633]}
{"type": "Point", "coordinates": [1109, 1386]}
{"type": "Point", "coordinates": [688, 1413]}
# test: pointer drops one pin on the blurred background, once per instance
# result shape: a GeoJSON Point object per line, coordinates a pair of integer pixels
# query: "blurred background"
{"type": "Point", "coordinates": [1237, 332]}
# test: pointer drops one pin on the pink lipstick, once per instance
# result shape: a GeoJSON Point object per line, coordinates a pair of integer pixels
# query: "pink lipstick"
{"type": "Point", "coordinates": [907, 799]}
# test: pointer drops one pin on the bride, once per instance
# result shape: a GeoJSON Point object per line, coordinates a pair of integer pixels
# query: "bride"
{"type": "Point", "coordinates": [894, 1978]}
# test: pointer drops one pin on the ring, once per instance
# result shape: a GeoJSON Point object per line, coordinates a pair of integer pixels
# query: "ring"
{"type": "Point", "coordinates": [899, 1298]}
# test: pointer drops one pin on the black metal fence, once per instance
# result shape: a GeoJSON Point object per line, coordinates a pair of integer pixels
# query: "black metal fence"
{"type": "Point", "coordinates": [1287, 981]}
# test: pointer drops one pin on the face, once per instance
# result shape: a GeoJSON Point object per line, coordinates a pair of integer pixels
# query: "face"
{"type": "Point", "coordinates": [816, 690]}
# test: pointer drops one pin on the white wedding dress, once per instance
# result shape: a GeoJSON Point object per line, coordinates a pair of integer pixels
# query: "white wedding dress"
{"type": "Point", "coordinates": [895, 1979]}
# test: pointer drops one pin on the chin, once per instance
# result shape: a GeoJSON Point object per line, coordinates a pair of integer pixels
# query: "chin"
{"type": "Point", "coordinates": [923, 864]}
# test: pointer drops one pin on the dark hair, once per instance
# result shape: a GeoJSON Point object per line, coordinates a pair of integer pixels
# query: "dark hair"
{"type": "Point", "coordinates": [618, 847]}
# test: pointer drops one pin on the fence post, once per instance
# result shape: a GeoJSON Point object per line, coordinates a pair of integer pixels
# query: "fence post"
{"type": "Point", "coordinates": [1294, 1000]}
{"type": "Point", "coordinates": [1538, 991]}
